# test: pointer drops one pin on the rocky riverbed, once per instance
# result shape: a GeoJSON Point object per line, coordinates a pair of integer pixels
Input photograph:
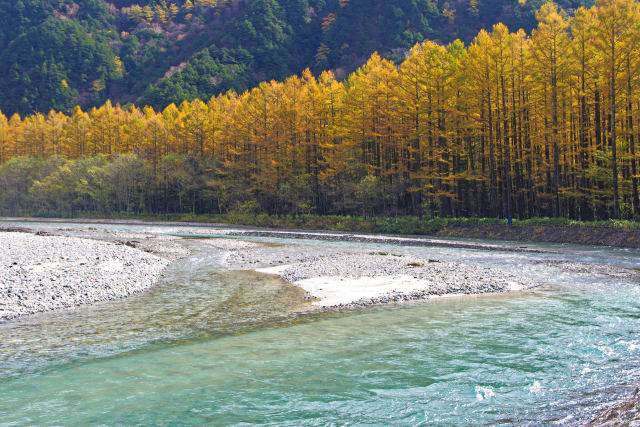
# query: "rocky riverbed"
{"type": "Point", "coordinates": [44, 272]}
{"type": "Point", "coordinates": [330, 274]}
{"type": "Point", "coordinates": [337, 278]}
{"type": "Point", "coordinates": [623, 413]}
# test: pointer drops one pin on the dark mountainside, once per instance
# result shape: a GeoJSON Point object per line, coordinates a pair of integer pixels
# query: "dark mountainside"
{"type": "Point", "coordinates": [59, 53]}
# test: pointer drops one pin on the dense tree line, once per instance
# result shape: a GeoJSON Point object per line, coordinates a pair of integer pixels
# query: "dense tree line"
{"type": "Point", "coordinates": [61, 53]}
{"type": "Point", "coordinates": [511, 125]}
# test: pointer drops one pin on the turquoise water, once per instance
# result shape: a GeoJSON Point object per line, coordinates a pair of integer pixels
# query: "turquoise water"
{"type": "Point", "coordinates": [218, 347]}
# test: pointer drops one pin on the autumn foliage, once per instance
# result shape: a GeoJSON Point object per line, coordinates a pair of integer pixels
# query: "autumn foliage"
{"type": "Point", "coordinates": [520, 125]}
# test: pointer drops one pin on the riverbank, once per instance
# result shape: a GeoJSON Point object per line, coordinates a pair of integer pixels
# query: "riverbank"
{"type": "Point", "coordinates": [623, 413]}
{"type": "Point", "coordinates": [331, 277]}
{"type": "Point", "coordinates": [66, 267]}
{"type": "Point", "coordinates": [623, 234]}
{"type": "Point", "coordinates": [578, 235]}
{"type": "Point", "coordinates": [602, 233]}
{"type": "Point", "coordinates": [43, 272]}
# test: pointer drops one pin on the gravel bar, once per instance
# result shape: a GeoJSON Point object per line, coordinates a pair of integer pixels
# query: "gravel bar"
{"type": "Point", "coordinates": [339, 277]}
{"type": "Point", "coordinates": [43, 272]}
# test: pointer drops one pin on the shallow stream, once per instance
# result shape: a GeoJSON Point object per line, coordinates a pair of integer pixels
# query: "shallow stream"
{"type": "Point", "coordinates": [208, 345]}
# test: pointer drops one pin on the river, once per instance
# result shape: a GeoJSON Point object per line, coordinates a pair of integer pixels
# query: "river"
{"type": "Point", "coordinates": [208, 345]}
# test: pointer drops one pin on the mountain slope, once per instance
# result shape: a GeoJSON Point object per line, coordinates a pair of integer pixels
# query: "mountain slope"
{"type": "Point", "coordinates": [59, 53]}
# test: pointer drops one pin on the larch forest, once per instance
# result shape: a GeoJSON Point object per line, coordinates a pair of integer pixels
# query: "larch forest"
{"type": "Point", "coordinates": [512, 124]}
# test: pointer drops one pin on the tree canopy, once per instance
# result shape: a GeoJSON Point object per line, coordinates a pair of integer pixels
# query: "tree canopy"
{"type": "Point", "coordinates": [512, 124]}
{"type": "Point", "coordinates": [59, 53]}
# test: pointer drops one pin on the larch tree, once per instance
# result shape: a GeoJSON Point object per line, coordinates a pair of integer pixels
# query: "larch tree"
{"type": "Point", "coordinates": [549, 50]}
{"type": "Point", "coordinates": [617, 30]}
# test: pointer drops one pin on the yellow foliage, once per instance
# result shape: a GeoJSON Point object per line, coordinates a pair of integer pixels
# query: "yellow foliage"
{"type": "Point", "coordinates": [522, 120]}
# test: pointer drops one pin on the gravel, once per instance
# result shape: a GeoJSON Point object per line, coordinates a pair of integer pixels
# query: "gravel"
{"type": "Point", "coordinates": [161, 245]}
{"type": "Point", "coordinates": [624, 413]}
{"type": "Point", "coordinates": [43, 272]}
{"type": "Point", "coordinates": [299, 263]}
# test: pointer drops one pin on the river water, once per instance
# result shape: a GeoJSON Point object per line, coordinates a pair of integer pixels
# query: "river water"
{"type": "Point", "coordinates": [212, 346]}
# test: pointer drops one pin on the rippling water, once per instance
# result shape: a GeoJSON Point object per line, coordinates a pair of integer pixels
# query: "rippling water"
{"type": "Point", "coordinates": [212, 346]}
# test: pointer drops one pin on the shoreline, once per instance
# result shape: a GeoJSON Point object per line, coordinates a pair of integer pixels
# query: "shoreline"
{"type": "Point", "coordinates": [218, 230]}
{"type": "Point", "coordinates": [61, 270]}
{"type": "Point", "coordinates": [588, 235]}
{"type": "Point", "coordinates": [333, 277]}
{"type": "Point", "coordinates": [405, 279]}
{"type": "Point", "coordinates": [624, 412]}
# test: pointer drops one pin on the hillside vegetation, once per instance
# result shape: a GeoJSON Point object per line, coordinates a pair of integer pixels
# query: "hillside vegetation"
{"type": "Point", "coordinates": [61, 53]}
{"type": "Point", "coordinates": [519, 125]}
